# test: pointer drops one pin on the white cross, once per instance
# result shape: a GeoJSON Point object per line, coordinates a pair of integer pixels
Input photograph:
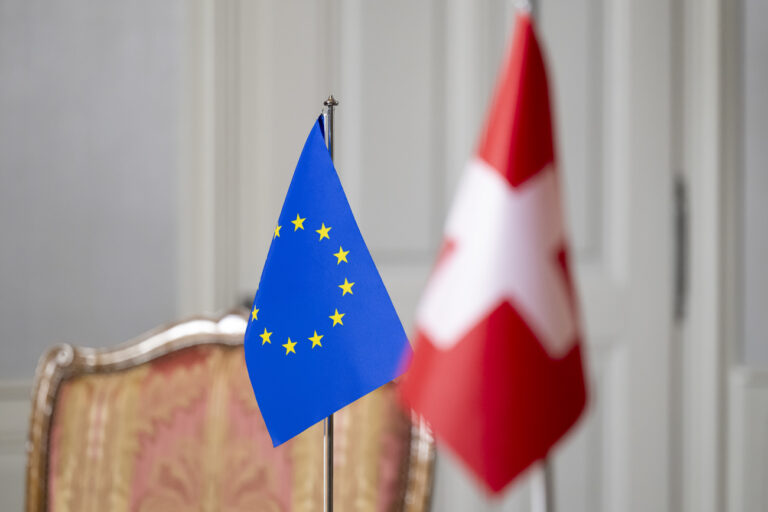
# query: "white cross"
{"type": "Point", "coordinates": [505, 242]}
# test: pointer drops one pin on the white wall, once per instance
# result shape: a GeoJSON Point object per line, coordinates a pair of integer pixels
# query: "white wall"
{"type": "Point", "coordinates": [755, 182]}
{"type": "Point", "coordinates": [748, 379]}
{"type": "Point", "coordinates": [88, 153]}
{"type": "Point", "coordinates": [89, 131]}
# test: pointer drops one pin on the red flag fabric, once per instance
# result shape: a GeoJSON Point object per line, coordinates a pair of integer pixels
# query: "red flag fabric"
{"type": "Point", "coordinates": [497, 366]}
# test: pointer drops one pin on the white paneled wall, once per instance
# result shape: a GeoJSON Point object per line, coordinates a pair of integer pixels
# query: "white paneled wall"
{"type": "Point", "coordinates": [413, 80]}
{"type": "Point", "coordinates": [88, 147]}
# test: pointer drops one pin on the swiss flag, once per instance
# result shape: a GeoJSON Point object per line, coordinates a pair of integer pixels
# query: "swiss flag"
{"type": "Point", "coordinates": [497, 368]}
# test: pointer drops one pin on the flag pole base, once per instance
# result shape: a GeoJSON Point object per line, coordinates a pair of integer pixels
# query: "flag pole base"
{"type": "Point", "coordinates": [543, 492]}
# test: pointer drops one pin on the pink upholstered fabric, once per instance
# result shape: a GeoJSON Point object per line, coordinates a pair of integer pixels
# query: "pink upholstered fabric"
{"type": "Point", "coordinates": [184, 433]}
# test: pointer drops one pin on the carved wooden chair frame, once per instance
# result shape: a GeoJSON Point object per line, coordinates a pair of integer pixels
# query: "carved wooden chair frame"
{"type": "Point", "coordinates": [65, 361]}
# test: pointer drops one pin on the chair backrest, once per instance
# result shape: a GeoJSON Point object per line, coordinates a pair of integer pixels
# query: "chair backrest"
{"type": "Point", "coordinates": [169, 422]}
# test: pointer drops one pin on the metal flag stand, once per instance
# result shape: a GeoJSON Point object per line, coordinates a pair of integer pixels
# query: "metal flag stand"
{"type": "Point", "coordinates": [329, 104]}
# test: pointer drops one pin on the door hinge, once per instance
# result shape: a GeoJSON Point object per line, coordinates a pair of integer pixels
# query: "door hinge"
{"type": "Point", "coordinates": [681, 247]}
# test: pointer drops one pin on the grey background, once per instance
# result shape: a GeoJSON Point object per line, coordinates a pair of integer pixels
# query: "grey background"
{"type": "Point", "coordinates": [88, 150]}
{"type": "Point", "coordinates": [89, 131]}
{"type": "Point", "coordinates": [755, 210]}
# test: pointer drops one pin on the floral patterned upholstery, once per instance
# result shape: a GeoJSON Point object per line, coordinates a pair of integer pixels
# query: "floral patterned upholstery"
{"type": "Point", "coordinates": [183, 432]}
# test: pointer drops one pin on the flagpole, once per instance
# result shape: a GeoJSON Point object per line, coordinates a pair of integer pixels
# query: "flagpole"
{"type": "Point", "coordinates": [329, 104]}
{"type": "Point", "coordinates": [549, 484]}
{"type": "Point", "coordinates": [544, 499]}
{"type": "Point", "coordinates": [542, 487]}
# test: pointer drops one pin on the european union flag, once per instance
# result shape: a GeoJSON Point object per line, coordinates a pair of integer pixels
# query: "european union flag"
{"type": "Point", "coordinates": [323, 331]}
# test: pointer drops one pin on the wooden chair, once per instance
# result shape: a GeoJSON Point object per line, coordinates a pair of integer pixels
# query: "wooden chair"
{"type": "Point", "coordinates": [168, 422]}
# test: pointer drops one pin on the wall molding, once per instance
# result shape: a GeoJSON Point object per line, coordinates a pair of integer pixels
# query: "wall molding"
{"type": "Point", "coordinates": [208, 158]}
{"type": "Point", "coordinates": [707, 331]}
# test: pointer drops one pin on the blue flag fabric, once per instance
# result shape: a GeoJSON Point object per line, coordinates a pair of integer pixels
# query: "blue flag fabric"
{"type": "Point", "coordinates": [322, 331]}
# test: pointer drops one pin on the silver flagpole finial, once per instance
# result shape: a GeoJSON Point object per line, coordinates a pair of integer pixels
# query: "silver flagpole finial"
{"type": "Point", "coordinates": [523, 5]}
{"type": "Point", "coordinates": [330, 105]}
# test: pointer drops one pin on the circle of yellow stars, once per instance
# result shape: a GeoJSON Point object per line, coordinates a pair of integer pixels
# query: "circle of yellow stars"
{"type": "Point", "coordinates": [346, 288]}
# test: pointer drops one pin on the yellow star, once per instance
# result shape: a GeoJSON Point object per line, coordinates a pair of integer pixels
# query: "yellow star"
{"type": "Point", "coordinates": [341, 255]}
{"type": "Point", "coordinates": [277, 231]}
{"type": "Point", "coordinates": [316, 340]}
{"type": "Point", "coordinates": [336, 317]}
{"type": "Point", "coordinates": [323, 232]}
{"type": "Point", "coordinates": [298, 223]}
{"type": "Point", "coordinates": [346, 287]}
{"type": "Point", "coordinates": [265, 337]}
{"type": "Point", "coordinates": [289, 347]}
{"type": "Point", "coordinates": [255, 314]}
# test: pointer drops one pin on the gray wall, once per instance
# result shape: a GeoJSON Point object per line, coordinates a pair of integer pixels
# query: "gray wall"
{"type": "Point", "coordinates": [755, 209]}
{"type": "Point", "coordinates": [88, 153]}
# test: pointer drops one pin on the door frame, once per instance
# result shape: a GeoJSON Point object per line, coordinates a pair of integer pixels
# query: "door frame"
{"type": "Point", "coordinates": [708, 132]}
